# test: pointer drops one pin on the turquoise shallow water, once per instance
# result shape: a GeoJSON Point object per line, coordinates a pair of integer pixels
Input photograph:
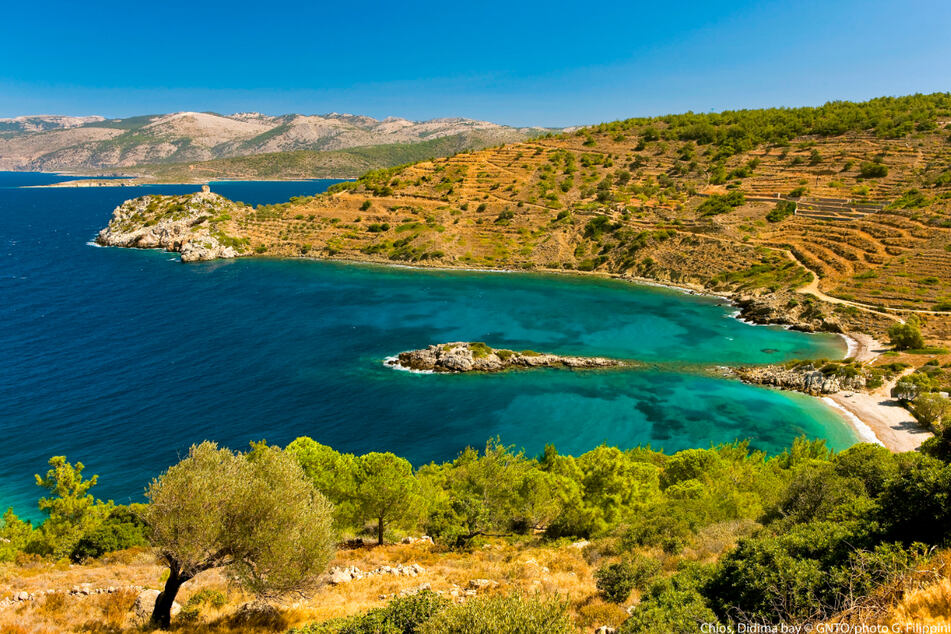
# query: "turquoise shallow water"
{"type": "Point", "coordinates": [122, 358]}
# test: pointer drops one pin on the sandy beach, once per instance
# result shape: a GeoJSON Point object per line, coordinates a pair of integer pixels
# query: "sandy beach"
{"type": "Point", "coordinates": [877, 417]}
{"type": "Point", "coordinates": [892, 424]}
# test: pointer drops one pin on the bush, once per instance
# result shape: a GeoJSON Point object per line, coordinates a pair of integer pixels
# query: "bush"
{"type": "Point", "coordinates": [782, 211]}
{"type": "Point", "coordinates": [615, 581]}
{"type": "Point", "coordinates": [404, 615]}
{"type": "Point", "coordinates": [504, 216]}
{"type": "Point", "coordinates": [366, 205]}
{"type": "Point", "coordinates": [906, 336]}
{"type": "Point", "coordinates": [513, 614]}
{"type": "Point", "coordinates": [720, 204]}
{"type": "Point", "coordinates": [122, 529]}
{"type": "Point", "coordinates": [799, 192]}
{"type": "Point", "coordinates": [673, 605]}
{"type": "Point", "coordinates": [873, 170]}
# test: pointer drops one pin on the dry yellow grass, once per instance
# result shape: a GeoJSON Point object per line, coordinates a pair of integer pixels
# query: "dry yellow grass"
{"type": "Point", "coordinates": [928, 606]}
{"type": "Point", "coordinates": [530, 567]}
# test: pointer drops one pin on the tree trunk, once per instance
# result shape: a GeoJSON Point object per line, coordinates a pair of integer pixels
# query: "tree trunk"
{"type": "Point", "coordinates": [162, 613]}
{"type": "Point", "coordinates": [379, 531]}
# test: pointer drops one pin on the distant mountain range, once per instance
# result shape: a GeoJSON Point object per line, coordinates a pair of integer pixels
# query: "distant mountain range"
{"type": "Point", "coordinates": [93, 143]}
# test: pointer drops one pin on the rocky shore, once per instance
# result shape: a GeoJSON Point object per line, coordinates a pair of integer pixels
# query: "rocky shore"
{"type": "Point", "coordinates": [805, 378]}
{"type": "Point", "coordinates": [192, 225]}
{"type": "Point", "coordinates": [462, 356]}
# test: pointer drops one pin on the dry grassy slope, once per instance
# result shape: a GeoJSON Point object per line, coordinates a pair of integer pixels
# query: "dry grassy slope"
{"type": "Point", "coordinates": [500, 207]}
{"type": "Point", "coordinates": [921, 597]}
{"type": "Point", "coordinates": [529, 567]}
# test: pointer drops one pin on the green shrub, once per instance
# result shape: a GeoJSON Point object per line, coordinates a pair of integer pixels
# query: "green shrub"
{"type": "Point", "coordinates": [782, 211]}
{"type": "Point", "coordinates": [799, 192]}
{"type": "Point", "coordinates": [479, 349]}
{"type": "Point", "coordinates": [873, 170]}
{"type": "Point", "coordinates": [122, 529]}
{"type": "Point", "coordinates": [366, 205]}
{"type": "Point", "coordinates": [675, 605]}
{"type": "Point", "coordinates": [512, 614]}
{"type": "Point", "coordinates": [405, 615]}
{"type": "Point", "coordinates": [720, 204]}
{"type": "Point", "coordinates": [615, 581]}
{"type": "Point", "coordinates": [504, 216]}
{"type": "Point", "coordinates": [906, 336]}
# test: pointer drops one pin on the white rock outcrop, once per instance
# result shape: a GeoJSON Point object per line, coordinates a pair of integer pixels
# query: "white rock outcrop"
{"type": "Point", "coordinates": [182, 224]}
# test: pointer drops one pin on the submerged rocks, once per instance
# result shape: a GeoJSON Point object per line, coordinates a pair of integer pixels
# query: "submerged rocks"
{"type": "Point", "coordinates": [461, 356]}
{"type": "Point", "coordinates": [193, 225]}
{"type": "Point", "coordinates": [802, 378]}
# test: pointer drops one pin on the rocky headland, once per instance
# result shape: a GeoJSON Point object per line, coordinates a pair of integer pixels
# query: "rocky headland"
{"type": "Point", "coordinates": [462, 356]}
{"type": "Point", "coordinates": [193, 225]}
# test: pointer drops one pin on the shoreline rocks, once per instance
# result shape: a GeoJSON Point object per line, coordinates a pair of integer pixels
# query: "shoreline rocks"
{"type": "Point", "coordinates": [804, 378]}
{"type": "Point", "coordinates": [462, 356]}
{"type": "Point", "coordinates": [188, 225]}
{"type": "Point", "coordinates": [785, 309]}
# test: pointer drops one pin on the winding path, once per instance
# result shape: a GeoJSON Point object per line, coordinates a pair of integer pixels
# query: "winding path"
{"type": "Point", "coordinates": [812, 288]}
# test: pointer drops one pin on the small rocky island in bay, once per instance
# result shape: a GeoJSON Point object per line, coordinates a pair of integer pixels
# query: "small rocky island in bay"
{"type": "Point", "coordinates": [463, 356]}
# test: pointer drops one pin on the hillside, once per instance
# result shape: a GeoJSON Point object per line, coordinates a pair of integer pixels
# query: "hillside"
{"type": "Point", "coordinates": [850, 202]}
{"type": "Point", "coordinates": [304, 164]}
{"type": "Point", "coordinates": [94, 144]}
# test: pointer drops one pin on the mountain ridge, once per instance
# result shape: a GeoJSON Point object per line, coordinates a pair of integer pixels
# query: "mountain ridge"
{"type": "Point", "coordinates": [61, 142]}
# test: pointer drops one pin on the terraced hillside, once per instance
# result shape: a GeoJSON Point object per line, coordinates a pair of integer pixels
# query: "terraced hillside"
{"type": "Point", "coordinates": [749, 202]}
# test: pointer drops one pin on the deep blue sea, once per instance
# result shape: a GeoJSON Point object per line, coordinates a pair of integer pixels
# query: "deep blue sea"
{"type": "Point", "coordinates": [121, 359]}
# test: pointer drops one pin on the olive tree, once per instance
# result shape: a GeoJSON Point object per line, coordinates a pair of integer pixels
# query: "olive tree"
{"type": "Point", "coordinates": [255, 515]}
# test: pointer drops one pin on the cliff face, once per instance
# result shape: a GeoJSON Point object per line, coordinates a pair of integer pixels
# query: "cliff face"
{"type": "Point", "coordinates": [477, 357]}
{"type": "Point", "coordinates": [193, 225]}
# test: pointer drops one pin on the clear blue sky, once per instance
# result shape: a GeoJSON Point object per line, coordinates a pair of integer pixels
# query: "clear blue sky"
{"type": "Point", "coordinates": [520, 63]}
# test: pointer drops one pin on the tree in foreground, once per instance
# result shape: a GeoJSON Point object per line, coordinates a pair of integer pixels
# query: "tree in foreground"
{"type": "Point", "coordinates": [256, 515]}
{"type": "Point", "coordinates": [387, 490]}
{"type": "Point", "coordinates": [71, 510]}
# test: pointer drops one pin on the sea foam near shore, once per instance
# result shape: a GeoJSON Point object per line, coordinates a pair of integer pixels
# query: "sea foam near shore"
{"type": "Point", "coordinates": [864, 431]}
{"type": "Point", "coordinates": [393, 364]}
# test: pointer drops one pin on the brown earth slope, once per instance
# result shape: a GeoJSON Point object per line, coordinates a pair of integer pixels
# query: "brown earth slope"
{"type": "Point", "coordinates": [872, 218]}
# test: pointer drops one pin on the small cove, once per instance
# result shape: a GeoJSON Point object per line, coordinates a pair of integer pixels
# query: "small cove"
{"type": "Point", "coordinates": [121, 359]}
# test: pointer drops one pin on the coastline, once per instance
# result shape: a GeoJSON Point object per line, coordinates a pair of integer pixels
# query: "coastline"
{"type": "Point", "coordinates": [876, 417]}
{"type": "Point", "coordinates": [144, 181]}
{"type": "Point", "coordinates": [872, 421]}
{"type": "Point", "coordinates": [892, 425]}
